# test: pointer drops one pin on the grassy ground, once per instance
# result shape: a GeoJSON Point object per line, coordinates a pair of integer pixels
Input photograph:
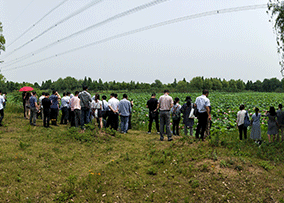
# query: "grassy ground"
{"type": "Point", "coordinates": [66, 165]}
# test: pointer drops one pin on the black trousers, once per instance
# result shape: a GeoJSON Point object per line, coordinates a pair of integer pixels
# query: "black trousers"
{"type": "Point", "coordinates": [112, 120]}
{"type": "Point", "coordinates": [53, 116]}
{"type": "Point", "coordinates": [151, 119]}
{"type": "Point", "coordinates": [46, 117]}
{"type": "Point", "coordinates": [202, 122]}
{"type": "Point", "coordinates": [24, 105]}
{"type": "Point", "coordinates": [242, 129]}
{"type": "Point", "coordinates": [65, 115]}
{"type": "Point", "coordinates": [1, 115]}
{"type": "Point", "coordinates": [176, 127]}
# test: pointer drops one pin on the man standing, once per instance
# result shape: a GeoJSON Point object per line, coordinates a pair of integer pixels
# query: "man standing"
{"type": "Point", "coordinates": [46, 103]}
{"type": "Point", "coordinates": [54, 98]}
{"type": "Point", "coordinates": [85, 100]}
{"type": "Point", "coordinates": [75, 109]}
{"type": "Point", "coordinates": [33, 109]}
{"type": "Point", "coordinates": [202, 103]}
{"type": "Point", "coordinates": [152, 105]}
{"type": "Point", "coordinates": [2, 102]}
{"type": "Point", "coordinates": [40, 103]}
{"type": "Point", "coordinates": [124, 109]}
{"type": "Point", "coordinates": [105, 109]}
{"type": "Point", "coordinates": [64, 108]}
{"type": "Point", "coordinates": [165, 104]}
{"type": "Point", "coordinates": [113, 116]}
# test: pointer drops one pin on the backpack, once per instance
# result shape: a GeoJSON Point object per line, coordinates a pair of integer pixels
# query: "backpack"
{"type": "Point", "coordinates": [176, 113]}
{"type": "Point", "coordinates": [246, 120]}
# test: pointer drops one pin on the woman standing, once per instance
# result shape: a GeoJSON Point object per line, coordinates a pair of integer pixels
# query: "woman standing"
{"type": "Point", "coordinates": [255, 133]}
{"type": "Point", "coordinates": [176, 116]}
{"type": "Point", "coordinates": [27, 104]}
{"type": "Point", "coordinates": [96, 107]}
{"type": "Point", "coordinates": [240, 122]}
{"type": "Point", "coordinates": [188, 122]}
{"type": "Point", "coordinates": [272, 123]}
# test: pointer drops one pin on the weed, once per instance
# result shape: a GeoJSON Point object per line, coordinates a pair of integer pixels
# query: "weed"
{"type": "Point", "coordinates": [152, 171]}
{"type": "Point", "coordinates": [266, 165]}
{"type": "Point", "coordinates": [194, 183]}
{"type": "Point", "coordinates": [223, 164]}
{"type": "Point", "coordinates": [23, 145]}
{"type": "Point", "coordinates": [239, 167]}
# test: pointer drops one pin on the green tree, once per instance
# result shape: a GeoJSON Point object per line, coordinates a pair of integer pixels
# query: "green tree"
{"type": "Point", "coordinates": [232, 85]}
{"type": "Point", "coordinates": [257, 86]}
{"type": "Point", "coordinates": [207, 84]}
{"type": "Point", "coordinates": [225, 84]}
{"type": "Point", "coordinates": [2, 39]}
{"type": "Point", "coordinates": [276, 9]}
{"type": "Point", "coordinates": [240, 85]}
{"type": "Point", "coordinates": [196, 83]}
{"type": "Point", "coordinates": [216, 84]}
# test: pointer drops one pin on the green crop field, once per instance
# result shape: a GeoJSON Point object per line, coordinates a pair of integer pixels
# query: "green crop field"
{"type": "Point", "coordinates": [64, 164]}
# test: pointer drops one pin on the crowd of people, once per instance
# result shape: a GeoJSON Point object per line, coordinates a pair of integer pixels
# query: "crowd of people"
{"type": "Point", "coordinates": [78, 109]}
{"type": "Point", "coordinates": [275, 124]}
{"type": "Point", "coordinates": [168, 109]}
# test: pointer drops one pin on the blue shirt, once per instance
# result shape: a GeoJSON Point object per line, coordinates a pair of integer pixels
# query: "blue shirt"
{"type": "Point", "coordinates": [32, 101]}
{"type": "Point", "coordinates": [54, 100]}
{"type": "Point", "coordinates": [124, 107]}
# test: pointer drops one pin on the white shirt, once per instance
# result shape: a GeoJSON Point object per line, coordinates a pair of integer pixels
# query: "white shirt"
{"type": "Point", "coordinates": [65, 101]}
{"type": "Point", "coordinates": [40, 99]}
{"type": "Point", "coordinates": [96, 105]}
{"type": "Point", "coordinates": [2, 100]}
{"type": "Point", "coordinates": [113, 102]}
{"type": "Point", "coordinates": [241, 117]}
{"type": "Point", "coordinates": [202, 102]}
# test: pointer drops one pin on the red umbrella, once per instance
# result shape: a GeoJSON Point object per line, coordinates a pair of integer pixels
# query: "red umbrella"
{"type": "Point", "coordinates": [26, 89]}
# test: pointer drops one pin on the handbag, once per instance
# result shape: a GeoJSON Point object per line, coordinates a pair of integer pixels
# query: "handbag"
{"type": "Point", "coordinates": [191, 114]}
{"type": "Point", "coordinates": [246, 120]}
{"type": "Point", "coordinates": [153, 114]}
{"type": "Point", "coordinates": [193, 111]}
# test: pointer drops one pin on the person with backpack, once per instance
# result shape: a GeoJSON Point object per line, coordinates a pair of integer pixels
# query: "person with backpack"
{"type": "Point", "coordinates": [241, 122]}
{"type": "Point", "coordinates": [272, 123]}
{"type": "Point", "coordinates": [175, 110]}
{"type": "Point", "coordinates": [280, 121]}
{"type": "Point", "coordinates": [188, 120]}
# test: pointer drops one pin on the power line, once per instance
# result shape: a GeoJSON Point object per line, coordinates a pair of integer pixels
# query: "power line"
{"type": "Point", "coordinates": [115, 17]}
{"type": "Point", "coordinates": [23, 11]}
{"type": "Point", "coordinates": [31, 27]}
{"type": "Point", "coordinates": [149, 27]}
{"type": "Point", "coordinates": [58, 23]}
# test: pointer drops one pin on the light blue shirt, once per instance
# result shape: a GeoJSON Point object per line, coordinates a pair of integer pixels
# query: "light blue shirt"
{"type": "Point", "coordinates": [202, 102]}
{"type": "Point", "coordinates": [124, 107]}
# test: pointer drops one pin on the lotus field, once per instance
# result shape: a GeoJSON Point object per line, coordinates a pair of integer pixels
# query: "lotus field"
{"type": "Point", "coordinates": [224, 108]}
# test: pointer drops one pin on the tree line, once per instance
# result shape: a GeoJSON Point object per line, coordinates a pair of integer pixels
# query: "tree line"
{"type": "Point", "coordinates": [194, 85]}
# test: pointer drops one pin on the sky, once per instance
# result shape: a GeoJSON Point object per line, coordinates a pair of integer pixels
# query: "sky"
{"type": "Point", "coordinates": [235, 45]}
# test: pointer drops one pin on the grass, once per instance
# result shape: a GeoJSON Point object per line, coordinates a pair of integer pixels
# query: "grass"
{"type": "Point", "coordinates": [66, 165]}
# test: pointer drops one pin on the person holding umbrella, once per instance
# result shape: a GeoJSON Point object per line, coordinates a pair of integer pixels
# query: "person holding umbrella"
{"type": "Point", "coordinates": [26, 97]}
